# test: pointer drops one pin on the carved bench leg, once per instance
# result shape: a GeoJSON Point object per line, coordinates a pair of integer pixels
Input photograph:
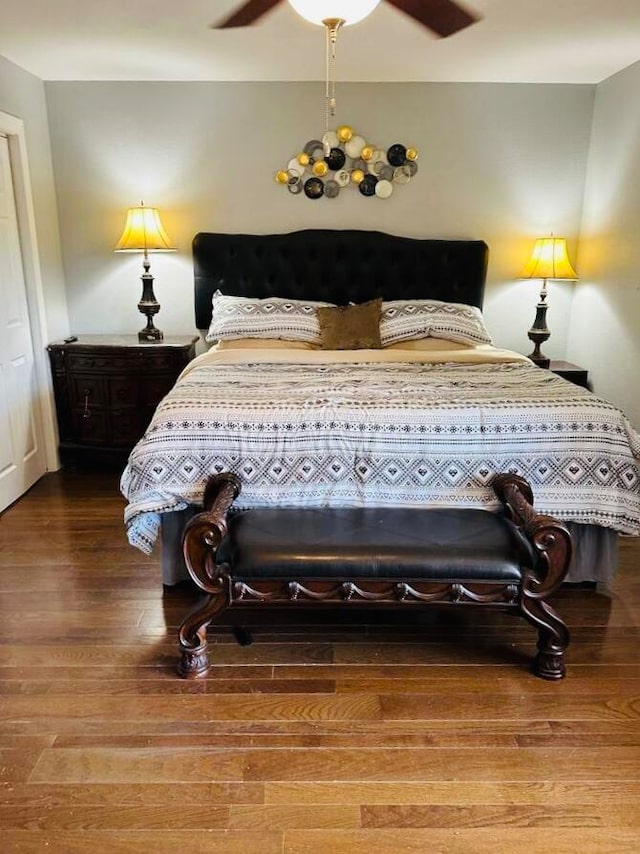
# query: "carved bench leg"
{"type": "Point", "coordinates": [194, 659]}
{"type": "Point", "coordinates": [553, 639]}
{"type": "Point", "coordinates": [200, 541]}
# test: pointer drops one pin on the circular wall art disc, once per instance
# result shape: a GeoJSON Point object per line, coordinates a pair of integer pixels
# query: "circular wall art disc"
{"type": "Point", "coordinates": [342, 177]}
{"type": "Point", "coordinates": [295, 185]}
{"type": "Point", "coordinates": [386, 173]}
{"type": "Point", "coordinates": [397, 154]}
{"type": "Point", "coordinates": [311, 146]}
{"type": "Point", "coordinates": [335, 159]}
{"type": "Point", "coordinates": [378, 160]}
{"type": "Point", "coordinates": [354, 146]}
{"type": "Point", "coordinates": [330, 139]}
{"type": "Point", "coordinates": [313, 188]}
{"type": "Point", "coordinates": [331, 189]}
{"type": "Point", "coordinates": [384, 189]}
{"type": "Point", "coordinates": [368, 185]}
{"type": "Point", "coordinates": [295, 167]}
{"type": "Point", "coordinates": [402, 175]}
{"type": "Point", "coordinates": [412, 166]}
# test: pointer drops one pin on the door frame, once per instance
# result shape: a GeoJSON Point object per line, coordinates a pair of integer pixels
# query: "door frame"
{"type": "Point", "coordinates": [13, 128]}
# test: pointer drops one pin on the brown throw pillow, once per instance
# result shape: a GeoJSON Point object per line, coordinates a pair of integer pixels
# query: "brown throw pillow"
{"type": "Point", "coordinates": [351, 327]}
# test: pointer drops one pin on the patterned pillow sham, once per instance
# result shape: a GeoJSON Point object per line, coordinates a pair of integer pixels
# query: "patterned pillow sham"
{"type": "Point", "coordinates": [402, 320]}
{"type": "Point", "coordinates": [274, 317]}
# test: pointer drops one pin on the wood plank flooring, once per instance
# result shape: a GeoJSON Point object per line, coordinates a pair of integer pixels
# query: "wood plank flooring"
{"type": "Point", "coordinates": [334, 732]}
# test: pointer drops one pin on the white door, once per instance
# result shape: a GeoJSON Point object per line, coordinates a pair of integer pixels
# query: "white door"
{"type": "Point", "coordinates": [22, 457]}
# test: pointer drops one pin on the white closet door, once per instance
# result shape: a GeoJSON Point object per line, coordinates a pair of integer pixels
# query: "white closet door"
{"type": "Point", "coordinates": [22, 457]}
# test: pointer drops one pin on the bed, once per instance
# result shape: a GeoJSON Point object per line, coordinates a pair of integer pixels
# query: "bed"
{"type": "Point", "coordinates": [422, 422]}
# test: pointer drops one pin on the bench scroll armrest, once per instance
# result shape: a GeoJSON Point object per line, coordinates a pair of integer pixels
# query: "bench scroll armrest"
{"type": "Point", "coordinates": [550, 540]}
{"type": "Point", "coordinates": [205, 532]}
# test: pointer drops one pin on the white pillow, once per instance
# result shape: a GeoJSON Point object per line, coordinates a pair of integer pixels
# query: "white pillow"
{"type": "Point", "coordinates": [402, 320]}
{"type": "Point", "coordinates": [274, 317]}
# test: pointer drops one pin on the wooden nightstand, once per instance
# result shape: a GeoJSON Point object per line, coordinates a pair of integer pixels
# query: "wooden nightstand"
{"type": "Point", "coordinates": [106, 389]}
{"type": "Point", "coordinates": [573, 373]}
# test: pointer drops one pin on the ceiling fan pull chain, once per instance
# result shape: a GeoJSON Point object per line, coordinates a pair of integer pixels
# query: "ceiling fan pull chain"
{"type": "Point", "coordinates": [327, 91]}
{"type": "Point", "coordinates": [332, 25]}
{"type": "Point", "coordinates": [332, 71]}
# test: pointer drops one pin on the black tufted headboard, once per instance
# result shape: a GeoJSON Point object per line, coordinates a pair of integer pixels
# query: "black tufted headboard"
{"type": "Point", "coordinates": [336, 266]}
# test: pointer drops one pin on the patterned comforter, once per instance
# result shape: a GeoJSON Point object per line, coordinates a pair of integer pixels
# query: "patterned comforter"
{"type": "Point", "coordinates": [313, 429]}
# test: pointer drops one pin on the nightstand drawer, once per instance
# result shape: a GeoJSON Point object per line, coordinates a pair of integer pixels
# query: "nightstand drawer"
{"type": "Point", "coordinates": [155, 388]}
{"type": "Point", "coordinates": [90, 428]}
{"type": "Point", "coordinates": [125, 428]}
{"type": "Point", "coordinates": [107, 363]}
{"type": "Point", "coordinates": [78, 362]}
{"type": "Point", "coordinates": [155, 361]}
{"type": "Point", "coordinates": [87, 392]}
{"type": "Point", "coordinates": [123, 392]}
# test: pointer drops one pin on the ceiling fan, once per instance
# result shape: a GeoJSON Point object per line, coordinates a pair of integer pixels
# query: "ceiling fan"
{"type": "Point", "coordinates": [443, 17]}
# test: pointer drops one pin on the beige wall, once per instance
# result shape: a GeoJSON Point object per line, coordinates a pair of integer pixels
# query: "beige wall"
{"type": "Point", "coordinates": [605, 324]}
{"type": "Point", "coordinates": [505, 163]}
{"type": "Point", "coordinates": [22, 95]}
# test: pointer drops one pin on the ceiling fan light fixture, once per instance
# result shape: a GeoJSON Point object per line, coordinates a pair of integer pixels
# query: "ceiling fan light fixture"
{"type": "Point", "coordinates": [348, 11]}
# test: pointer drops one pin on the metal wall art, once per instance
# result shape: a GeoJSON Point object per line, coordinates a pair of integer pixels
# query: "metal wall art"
{"type": "Point", "coordinates": [343, 159]}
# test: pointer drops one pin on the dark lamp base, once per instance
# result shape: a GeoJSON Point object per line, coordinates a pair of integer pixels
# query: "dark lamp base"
{"type": "Point", "coordinates": [540, 361]}
{"type": "Point", "coordinates": [539, 332]}
{"type": "Point", "coordinates": [148, 306]}
{"type": "Point", "coordinates": [151, 334]}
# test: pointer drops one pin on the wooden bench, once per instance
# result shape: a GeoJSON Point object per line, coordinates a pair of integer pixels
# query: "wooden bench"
{"type": "Point", "coordinates": [401, 557]}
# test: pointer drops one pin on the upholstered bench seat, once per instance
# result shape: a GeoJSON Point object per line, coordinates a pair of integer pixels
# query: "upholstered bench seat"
{"type": "Point", "coordinates": [386, 556]}
{"type": "Point", "coordinates": [404, 543]}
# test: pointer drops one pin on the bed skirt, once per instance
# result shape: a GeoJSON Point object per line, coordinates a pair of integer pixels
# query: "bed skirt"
{"type": "Point", "coordinates": [594, 558]}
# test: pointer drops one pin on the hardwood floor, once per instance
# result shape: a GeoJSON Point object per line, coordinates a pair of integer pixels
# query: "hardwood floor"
{"type": "Point", "coordinates": [400, 734]}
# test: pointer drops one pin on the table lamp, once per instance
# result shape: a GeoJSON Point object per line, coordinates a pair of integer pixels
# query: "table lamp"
{"type": "Point", "coordinates": [549, 260]}
{"type": "Point", "coordinates": [143, 232]}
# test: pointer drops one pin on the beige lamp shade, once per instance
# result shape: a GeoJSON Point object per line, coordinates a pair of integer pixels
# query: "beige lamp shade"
{"type": "Point", "coordinates": [143, 232]}
{"type": "Point", "coordinates": [549, 260]}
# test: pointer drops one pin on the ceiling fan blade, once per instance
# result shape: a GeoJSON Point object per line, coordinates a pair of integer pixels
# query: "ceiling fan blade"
{"type": "Point", "coordinates": [444, 17]}
{"type": "Point", "coordinates": [247, 14]}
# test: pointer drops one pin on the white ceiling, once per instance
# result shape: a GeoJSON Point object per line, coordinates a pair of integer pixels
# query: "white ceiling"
{"type": "Point", "coordinates": [537, 41]}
